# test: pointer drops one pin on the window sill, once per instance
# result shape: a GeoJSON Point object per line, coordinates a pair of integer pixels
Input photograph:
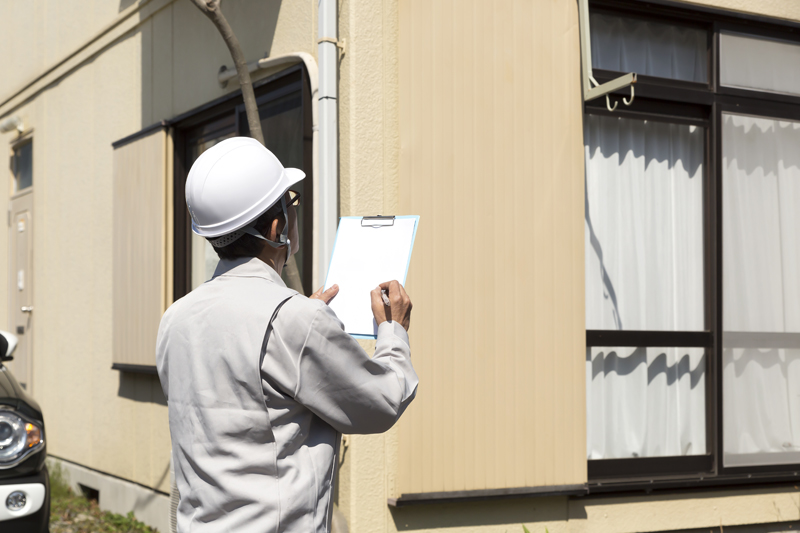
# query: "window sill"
{"type": "Point", "coordinates": [676, 485]}
{"type": "Point", "coordinates": [135, 369]}
{"type": "Point", "coordinates": [488, 494]}
{"type": "Point", "coordinates": [700, 483]}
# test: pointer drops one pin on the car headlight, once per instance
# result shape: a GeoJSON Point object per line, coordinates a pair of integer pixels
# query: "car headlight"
{"type": "Point", "coordinates": [18, 438]}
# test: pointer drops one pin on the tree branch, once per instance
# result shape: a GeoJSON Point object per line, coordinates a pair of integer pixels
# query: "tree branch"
{"type": "Point", "coordinates": [211, 9]}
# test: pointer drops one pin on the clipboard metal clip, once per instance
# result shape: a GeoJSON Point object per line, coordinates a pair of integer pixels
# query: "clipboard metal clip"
{"type": "Point", "coordinates": [378, 221]}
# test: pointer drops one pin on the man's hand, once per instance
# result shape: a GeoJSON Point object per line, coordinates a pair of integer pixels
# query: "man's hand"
{"type": "Point", "coordinates": [400, 308]}
{"type": "Point", "coordinates": [326, 296]}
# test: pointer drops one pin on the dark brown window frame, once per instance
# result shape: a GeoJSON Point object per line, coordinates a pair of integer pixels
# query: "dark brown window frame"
{"type": "Point", "coordinates": [699, 104]}
{"type": "Point", "coordinates": [284, 82]}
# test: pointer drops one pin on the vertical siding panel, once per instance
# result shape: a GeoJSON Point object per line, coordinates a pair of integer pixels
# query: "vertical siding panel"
{"type": "Point", "coordinates": [484, 385]}
{"type": "Point", "coordinates": [517, 200]}
{"type": "Point", "coordinates": [442, 243]}
{"type": "Point", "coordinates": [459, 365]}
{"type": "Point", "coordinates": [408, 442]}
{"type": "Point", "coordinates": [425, 87]}
{"type": "Point", "coordinates": [504, 294]}
{"type": "Point", "coordinates": [491, 158]}
{"type": "Point", "coordinates": [138, 248]}
{"type": "Point", "coordinates": [477, 466]}
{"type": "Point", "coordinates": [542, 270]}
{"type": "Point", "coordinates": [548, 211]}
{"type": "Point", "coordinates": [494, 348]}
{"type": "Point", "coordinates": [561, 255]}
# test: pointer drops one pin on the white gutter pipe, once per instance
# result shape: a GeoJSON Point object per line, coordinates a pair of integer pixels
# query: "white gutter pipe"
{"type": "Point", "coordinates": [325, 183]}
{"type": "Point", "coordinates": [326, 195]}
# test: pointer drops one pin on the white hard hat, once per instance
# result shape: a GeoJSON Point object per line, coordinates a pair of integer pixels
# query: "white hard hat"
{"type": "Point", "coordinates": [233, 183]}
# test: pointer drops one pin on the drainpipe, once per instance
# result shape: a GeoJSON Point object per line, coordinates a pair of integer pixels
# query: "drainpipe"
{"type": "Point", "coordinates": [326, 194]}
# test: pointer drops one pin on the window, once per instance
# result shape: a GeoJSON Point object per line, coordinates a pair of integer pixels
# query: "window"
{"type": "Point", "coordinates": [760, 63]}
{"type": "Point", "coordinates": [761, 290]}
{"type": "Point", "coordinates": [692, 251]}
{"type": "Point", "coordinates": [22, 166]}
{"type": "Point", "coordinates": [649, 47]}
{"type": "Point", "coordinates": [284, 109]}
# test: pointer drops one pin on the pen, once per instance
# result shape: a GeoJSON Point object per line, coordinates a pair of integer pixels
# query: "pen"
{"type": "Point", "coordinates": [384, 295]}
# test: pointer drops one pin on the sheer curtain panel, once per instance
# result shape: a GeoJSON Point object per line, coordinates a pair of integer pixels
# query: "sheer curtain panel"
{"type": "Point", "coordinates": [645, 402]}
{"type": "Point", "coordinates": [644, 271]}
{"type": "Point", "coordinates": [644, 224]}
{"type": "Point", "coordinates": [649, 48]}
{"type": "Point", "coordinates": [761, 290]}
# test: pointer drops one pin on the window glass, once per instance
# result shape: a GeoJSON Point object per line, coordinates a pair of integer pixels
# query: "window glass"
{"type": "Point", "coordinates": [645, 402]}
{"type": "Point", "coordinates": [761, 290]}
{"type": "Point", "coordinates": [22, 165]}
{"type": "Point", "coordinates": [759, 63]}
{"type": "Point", "coordinates": [643, 225]}
{"type": "Point", "coordinates": [282, 127]}
{"type": "Point", "coordinates": [649, 48]}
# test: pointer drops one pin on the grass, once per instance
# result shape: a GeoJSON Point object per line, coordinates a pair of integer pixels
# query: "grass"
{"type": "Point", "coordinates": [72, 513]}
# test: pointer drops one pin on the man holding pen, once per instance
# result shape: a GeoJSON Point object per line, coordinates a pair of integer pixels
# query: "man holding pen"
{"type": "Point", "coordinates": [260, 380]}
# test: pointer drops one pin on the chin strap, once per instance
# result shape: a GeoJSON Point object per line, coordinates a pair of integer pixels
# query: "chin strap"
{"type": "Point", "coordinates": [283, 238]}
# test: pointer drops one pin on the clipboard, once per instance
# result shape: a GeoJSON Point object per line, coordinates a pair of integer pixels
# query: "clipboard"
{"type": "Point", "coordinates": [368, 251]}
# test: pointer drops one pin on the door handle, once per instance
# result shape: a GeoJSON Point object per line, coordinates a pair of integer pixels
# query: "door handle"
{"type": "Point", "coordinates": [26, 309]}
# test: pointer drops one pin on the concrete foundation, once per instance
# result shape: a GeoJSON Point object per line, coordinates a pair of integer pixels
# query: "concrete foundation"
{"type": "Point", "coordinates": [117, 495]}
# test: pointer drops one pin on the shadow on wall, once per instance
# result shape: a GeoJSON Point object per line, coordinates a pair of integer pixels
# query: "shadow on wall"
{"type": "Point", "coordinates": [125, 4]}
{"type": "Point", "coordinates": [141, 388]}
{"type": "Point", "coordinates": [182, 52]}
{"type": "Point", "coordinates": [512, 512]}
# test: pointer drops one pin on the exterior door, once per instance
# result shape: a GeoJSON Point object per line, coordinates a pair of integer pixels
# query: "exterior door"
{"type": "Point", "coordinates": [20, 290]}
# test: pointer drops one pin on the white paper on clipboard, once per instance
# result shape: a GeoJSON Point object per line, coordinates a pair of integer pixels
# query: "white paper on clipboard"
{"type": "Point", "coordinates": [365, 256]}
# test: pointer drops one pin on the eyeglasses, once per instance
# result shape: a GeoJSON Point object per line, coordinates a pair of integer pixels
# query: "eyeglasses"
{"type": "Point", "coordinates": [294, 198]}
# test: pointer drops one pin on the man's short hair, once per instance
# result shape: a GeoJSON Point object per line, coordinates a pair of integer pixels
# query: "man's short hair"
{"type": "Point", "coordinates": [247, 245]}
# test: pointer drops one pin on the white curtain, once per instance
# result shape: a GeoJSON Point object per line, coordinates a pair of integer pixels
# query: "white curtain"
{"type": "Point", "coordinates": [761, 290]}
{"type": "Point", "coordinates": [644, 271]}
{"type": "Point", "coordinates": [644, 224]}
{"type": "Point", "coordinates": [645, 402]}
{"type": "Point", "coordinates": [649, 48]}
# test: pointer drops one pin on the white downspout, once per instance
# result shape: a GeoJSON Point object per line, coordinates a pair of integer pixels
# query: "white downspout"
{"type": "Point", "coordinates": [325, 176]}
{"type": "Point", "coordinates": [326, 190]}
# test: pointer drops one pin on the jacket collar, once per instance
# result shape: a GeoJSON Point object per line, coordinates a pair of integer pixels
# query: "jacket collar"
{"type": "Point", "coordinates": [247, 267]}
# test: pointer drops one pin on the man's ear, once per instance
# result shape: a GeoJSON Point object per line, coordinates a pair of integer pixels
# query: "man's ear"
{"type": "Point", "coordinates": [274, 229]}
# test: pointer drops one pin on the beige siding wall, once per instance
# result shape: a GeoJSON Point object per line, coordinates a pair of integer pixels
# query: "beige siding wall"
{"type": "Point", "coordinates": [370, 112]}
{"type": "Point", "coordinates": [45, 32]}
{"type": "Point", "coordinates": [491, 158]}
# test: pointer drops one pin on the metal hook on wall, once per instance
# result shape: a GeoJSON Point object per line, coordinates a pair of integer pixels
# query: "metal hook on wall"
{"type": "Point", "coordinates": [626, 101]}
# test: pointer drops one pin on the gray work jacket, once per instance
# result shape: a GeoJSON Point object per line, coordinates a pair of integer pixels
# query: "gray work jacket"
{"type": "Point", "coordinates": [260, 383]}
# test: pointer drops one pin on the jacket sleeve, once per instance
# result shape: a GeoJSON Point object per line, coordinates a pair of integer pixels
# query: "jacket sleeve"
{"type": "Point", "coordinates": [336, 379]}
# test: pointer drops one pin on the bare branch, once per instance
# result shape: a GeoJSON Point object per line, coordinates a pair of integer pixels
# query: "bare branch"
{"type": "Point", "coordinates": [211, 9]}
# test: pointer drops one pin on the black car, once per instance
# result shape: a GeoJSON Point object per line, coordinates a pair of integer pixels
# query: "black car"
{"type": "Point", "coordinates": [24, 483]}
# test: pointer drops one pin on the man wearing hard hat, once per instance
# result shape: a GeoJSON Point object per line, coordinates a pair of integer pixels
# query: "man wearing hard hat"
{"type": "Point", "coordinates": [260, 380]}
